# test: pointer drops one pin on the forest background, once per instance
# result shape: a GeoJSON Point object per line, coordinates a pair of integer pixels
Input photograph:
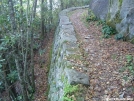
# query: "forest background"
{"type": "Point", "coordinates": [24, 24]}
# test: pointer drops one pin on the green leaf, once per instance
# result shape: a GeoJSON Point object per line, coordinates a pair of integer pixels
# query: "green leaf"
{"type": "Point", "coordinates": [125, 78]}
{"type": "Point", "coordinates": [19, 98]}
{"type": "Point", "coordinates": [2, 60]}
{"type": "Point", "coordinates": [0, 65]}
{"type": "Point", "coordinates": [130, 68]}
{"type": "Point", "coordinates": [122, 69]}
{"type": "Point", "coordinates": [13, 76]}
{"type": "Point", "coordinates": [129, 58]}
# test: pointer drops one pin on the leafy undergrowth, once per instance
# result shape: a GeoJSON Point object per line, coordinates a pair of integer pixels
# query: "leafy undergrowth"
{"type": "Point", "coordinates": [42, 62]}
{"type": "Point", "coordinates": [107, 31]}
{"type": "Point", "coordinates": [69, 92]}
{"type": "Point", "coordinates": [110, 62]}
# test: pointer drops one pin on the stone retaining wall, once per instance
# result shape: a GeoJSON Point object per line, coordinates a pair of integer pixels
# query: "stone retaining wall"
{"type": "Point", "coordinates": [65, 54]}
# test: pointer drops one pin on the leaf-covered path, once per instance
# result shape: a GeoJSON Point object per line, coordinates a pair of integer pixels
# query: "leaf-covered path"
{"type": "Point", "coordinates": [42, 61]}
{"type": "Point", "coordinates": [104, 58]}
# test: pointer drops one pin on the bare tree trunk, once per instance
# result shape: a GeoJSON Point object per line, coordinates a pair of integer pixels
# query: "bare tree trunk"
{"type": "Point", "coordinates": [61, 4]}
{"type": "Point", "coordinates": [12, 14]}
{"type": "Point", "coordinates": [21, 79]}
{"type": "Point", "coordinates": [32, 55]}
{"type": "Point", "coordinates": [34, 8]}
{"type": "Point", "coordinates": [51, 11]}
{"type": "Point", "coordinates": [6, 84]}
{"type": "Point", "coordinates": [21, 5]}
{"type": "Point", "coordinates": [21, 17]}
{"type": "Point", "coordinates": [9, 89]}
{"type": "Point", "coordinates": [42, 20]}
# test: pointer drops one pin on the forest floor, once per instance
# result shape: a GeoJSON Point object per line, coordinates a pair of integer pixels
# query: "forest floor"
{"type": "Point", "coordinates": [105, 59]}
{"type": "Point", "coordinates": [42, 62]}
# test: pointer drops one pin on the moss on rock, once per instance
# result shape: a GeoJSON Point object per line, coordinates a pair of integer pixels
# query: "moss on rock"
{"type": "Point", "coordinates": [113, 21]}
{"type": "Point", "coordinates": [120, 3]}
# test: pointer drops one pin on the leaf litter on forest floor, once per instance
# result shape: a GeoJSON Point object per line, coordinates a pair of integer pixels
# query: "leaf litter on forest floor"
{"type": "Point", "coordinates": [41, 69]}
{"type": "Point", "coordinates": [105, 57]}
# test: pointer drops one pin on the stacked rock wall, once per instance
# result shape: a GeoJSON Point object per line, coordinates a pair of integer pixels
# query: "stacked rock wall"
{"type": "Point", "coordinates": [65, 53]}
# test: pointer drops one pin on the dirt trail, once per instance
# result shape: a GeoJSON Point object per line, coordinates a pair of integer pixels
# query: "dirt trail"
{"type": "Point", "coordinates": [105, 58]}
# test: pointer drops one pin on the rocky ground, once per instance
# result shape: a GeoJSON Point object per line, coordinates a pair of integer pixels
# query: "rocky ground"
{"type": "Point", "coordinates": [105, 58]}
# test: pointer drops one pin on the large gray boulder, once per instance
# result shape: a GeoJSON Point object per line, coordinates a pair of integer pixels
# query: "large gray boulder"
{"type": "Point", "coordinates": [125, 8]}
{"type": "Point", "coordinates": [127, 15]}
{"type": "Point", "coordinates": [118, 14]}
{"type": "Point", "coordinates": [99, 7]}
{"type": "Point", "coordinates": [113, 14]}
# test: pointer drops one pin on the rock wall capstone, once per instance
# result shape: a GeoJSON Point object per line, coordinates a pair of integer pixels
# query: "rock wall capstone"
{"type": "Point", "coordinates": [117, 13]}
{"type": "Point", "coordinates": [65, 52]}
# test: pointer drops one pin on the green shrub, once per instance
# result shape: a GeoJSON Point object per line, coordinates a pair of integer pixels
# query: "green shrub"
{"type": "Point", "coordinates": [13, 76]}
{"type": "Point", "coordinates": [128, 67]}
{"type": "Point", "coordinates": [107, 30]}
{"type": "Point", "coordinates": [119, 36]}
{"type": "Point", "coordinates": [101, 22]}
{"type": "Point", "coordinates": [130, 64]}
{"type": "Point", "coordinates": [91, 17]}
{"type": "Point", "coordinates": [2, 87]}
{"type": "Point", "coordinates": [68, 91]}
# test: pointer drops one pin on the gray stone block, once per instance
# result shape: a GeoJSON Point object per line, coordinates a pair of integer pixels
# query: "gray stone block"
{"type": "Point", "coordinates": [75, 77]}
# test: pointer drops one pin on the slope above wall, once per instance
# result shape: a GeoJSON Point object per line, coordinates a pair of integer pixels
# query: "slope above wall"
{"type": "Point", "coordinates": [117, 13]}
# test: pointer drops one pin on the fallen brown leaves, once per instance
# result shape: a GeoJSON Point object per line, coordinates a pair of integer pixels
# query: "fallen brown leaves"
{"type": "Point", "coordinates": [41, 70]}
{"type": "Point", "coordinates": [105, 57]}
